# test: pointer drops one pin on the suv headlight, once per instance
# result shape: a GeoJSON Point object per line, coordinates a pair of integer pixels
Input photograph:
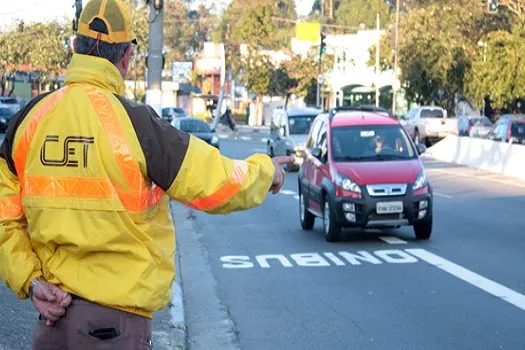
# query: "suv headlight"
{"type": "Point", "coordinates": [346, 184]}
{"type": "Point", "coordinates": [421, 181]}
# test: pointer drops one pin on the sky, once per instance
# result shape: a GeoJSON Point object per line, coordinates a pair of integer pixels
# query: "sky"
{"type": "Point", "coordinates": [41, 10]}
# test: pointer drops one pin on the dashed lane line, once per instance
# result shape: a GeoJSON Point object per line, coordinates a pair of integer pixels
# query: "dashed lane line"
{"type": "Point", "coordinates": [392, 240]}
{"type": "Point", "coordinates": [442, 195]}
{"type": "Point", "coordinates": [288, 192]}
{"type": "Point", "coordinates": [489, 286]}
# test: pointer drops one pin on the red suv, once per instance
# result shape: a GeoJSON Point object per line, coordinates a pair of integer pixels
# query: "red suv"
{"type": "Point", "coordinates": [361, 169]}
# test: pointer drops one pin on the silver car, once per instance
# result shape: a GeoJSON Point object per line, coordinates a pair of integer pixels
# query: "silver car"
{"type": "Point", "coordinates": [289, 130]}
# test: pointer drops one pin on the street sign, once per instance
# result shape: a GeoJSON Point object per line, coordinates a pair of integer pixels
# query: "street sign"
{"type": "Point", "coordinates": [320, 79]}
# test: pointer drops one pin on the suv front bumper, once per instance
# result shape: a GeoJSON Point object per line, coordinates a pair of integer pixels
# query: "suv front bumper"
{"type": "Point", "coordinates": [416, 209]}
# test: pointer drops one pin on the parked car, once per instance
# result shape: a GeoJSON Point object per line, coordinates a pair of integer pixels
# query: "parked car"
{"type": "Point", "coordinates": [171, 113]}
{"type": "Point", "coordinates": [509, 128]}
{"type": "Point", "coordinates": [5, 117]}
{"type": "Point", "coordinates": [198, 128]}
{"type": "Point", "coordinates": [429, 124]}
{"type": "Point", "coordinates": [362, 170]}
{"type": "Point", "coordinates": [10, 102]}
{"type": "Point", "coordinates": [288, 131]}
{"type": "Point", "coordinates": [474, 126]}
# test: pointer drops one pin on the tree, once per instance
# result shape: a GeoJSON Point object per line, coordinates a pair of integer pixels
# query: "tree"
{"type": "Point", "coordinates": [354, 13]}
{"type": "Point", "coordinates": [281, 84]}
{"type": "Point", "coordinates": [256, 75]}
{"type": "Point", "coordinates": [499, 73]}
{"type": "Point", "coordinates": [42, 46]}
{"type": "Point", "coordinates": [186, 30]}
{"type": "Point", "coordinates": [437, 45]}
{"type": "Point", "coordinates": [517, 7]}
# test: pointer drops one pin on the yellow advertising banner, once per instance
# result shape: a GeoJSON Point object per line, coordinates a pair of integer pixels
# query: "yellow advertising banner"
{"type": "Point", "coordinates": [308, 31]}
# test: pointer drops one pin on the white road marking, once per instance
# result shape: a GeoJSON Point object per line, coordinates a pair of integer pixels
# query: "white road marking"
{"type": "Point", "coordinates": [474, 279]}
{"type": "Point", "coordinates": [313, 259]}
{"type": "Point", "coordinates": [288, 192]}
{"type": "Point", "coordinates": [264, 139]}
{"type": "Point", "coordinates": [296, 197]}
{"type": "Point", "coordinates": [437, 194]}
{"type": "Point", "coordinates": [392, 240]}
{"type": "Point", "coordinates": [245, 138]}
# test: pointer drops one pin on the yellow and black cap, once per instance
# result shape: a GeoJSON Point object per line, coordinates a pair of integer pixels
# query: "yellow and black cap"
{"type": "Point", "coordinates": [117, 19]}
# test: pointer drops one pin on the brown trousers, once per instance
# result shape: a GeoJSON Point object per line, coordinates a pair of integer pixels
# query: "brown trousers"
{"type": "Point", "coordinates": [84, 321]}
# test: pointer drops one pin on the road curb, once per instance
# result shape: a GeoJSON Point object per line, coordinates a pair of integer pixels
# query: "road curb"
{"type": "Point", "coordinates": [209, 324]}
{"type": "Point", "coordinates": [169, 325]}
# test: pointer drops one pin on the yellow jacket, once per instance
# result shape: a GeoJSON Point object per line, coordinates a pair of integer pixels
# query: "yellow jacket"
{"type": "Point", "coordinates": [85, 181]}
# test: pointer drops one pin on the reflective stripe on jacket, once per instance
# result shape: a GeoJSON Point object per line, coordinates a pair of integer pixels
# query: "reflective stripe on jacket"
{"type": "Point", "coordinates": [85, 181]}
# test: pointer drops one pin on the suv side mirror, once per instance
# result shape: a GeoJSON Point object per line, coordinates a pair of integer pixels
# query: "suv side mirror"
{"type": "Point", "coordinates": [316, 152]}
{"type": "Point", "coordinates": [421, 148]}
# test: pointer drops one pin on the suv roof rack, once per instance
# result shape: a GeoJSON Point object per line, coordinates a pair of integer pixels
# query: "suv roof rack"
{"type": "Point", "coordinates": [358, 108]}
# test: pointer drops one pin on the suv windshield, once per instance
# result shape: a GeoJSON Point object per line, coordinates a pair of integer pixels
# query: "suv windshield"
{"type": "Point", "coordinates": [371, 143]}
{"type": "Point", "coordinates": [300, 124]}
{"type": "Point", "coordinates": [194, 126]}
{"type": "Point", "coordinates": [8, 101]}
{"type": "Point", "coordinates": [518, 128]}
{"type": "Point", "coordinates": [480, 122]}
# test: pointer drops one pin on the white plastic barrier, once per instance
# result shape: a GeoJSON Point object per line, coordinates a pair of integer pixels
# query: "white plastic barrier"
{"type": "Point", "coordinates": [493, 156]}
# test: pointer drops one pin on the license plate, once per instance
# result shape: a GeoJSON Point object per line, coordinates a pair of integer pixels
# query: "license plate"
{"type": "Point", "coordinates": [389, 207]}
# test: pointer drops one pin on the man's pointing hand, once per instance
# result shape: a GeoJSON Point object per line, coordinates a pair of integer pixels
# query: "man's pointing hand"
{"type": "Point", "coordinates": [278, 178]}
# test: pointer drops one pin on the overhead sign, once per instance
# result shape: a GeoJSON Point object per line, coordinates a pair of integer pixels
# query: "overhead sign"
{"type": "Point", "coordinates": [308, 31]}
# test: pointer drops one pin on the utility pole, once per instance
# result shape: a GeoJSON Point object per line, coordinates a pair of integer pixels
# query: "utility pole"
{"type": "Point", "coordinates": [155, 59]}
{"type": "Point", "coordinates": [377, 59]}
{"type": "Point", "coordinates": [78, 11]}
{"type": "Point", "coordinates": [321, 48]}
{"type": "Point", "coordinates": [396, 48]}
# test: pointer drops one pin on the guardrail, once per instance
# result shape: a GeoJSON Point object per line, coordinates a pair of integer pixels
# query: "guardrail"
{"type": "Point", "coordinates": [488, 155]}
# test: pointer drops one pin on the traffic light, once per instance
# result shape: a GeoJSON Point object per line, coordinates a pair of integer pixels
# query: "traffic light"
{"type": "Point", "coordinates": [492, 5]}
{"type": "Point", "coordinates": [322, 49]}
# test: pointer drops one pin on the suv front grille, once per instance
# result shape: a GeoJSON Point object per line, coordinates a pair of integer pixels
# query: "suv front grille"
{"type": "Point", "coordinates": [387, 190]}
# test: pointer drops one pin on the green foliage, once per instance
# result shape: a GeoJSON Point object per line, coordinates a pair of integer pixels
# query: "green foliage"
{"type": "Point", "coordinates": [353, 13]}
{"type": "Point", "coordinates": [41, 46]}
{"type": "Point", "coordinates": [257, 71]}
{"type": "Point", "coordinates": [499, 73]}
{"type": "Point", "coordinates": [437, 46]}
{"type": "Point", "coordinates": [186, 30]}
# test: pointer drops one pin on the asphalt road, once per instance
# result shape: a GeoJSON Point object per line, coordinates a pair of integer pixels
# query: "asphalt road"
{"type": "Point", "coordinates": [246, 287]}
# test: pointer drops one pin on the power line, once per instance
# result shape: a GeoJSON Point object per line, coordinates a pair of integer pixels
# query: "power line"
{"type": "Point", "coordinates": [335, 26]}
{"type": "Point", "coordinates": [5, 14]}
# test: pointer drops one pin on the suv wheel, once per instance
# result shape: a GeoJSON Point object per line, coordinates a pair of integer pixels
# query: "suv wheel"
{"type": "Point", "coordinates": [307, 218]}
{"type": "Point", "coordinates": [423, 230]}
{"type": "Point", "coordinates": [332, 230]}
